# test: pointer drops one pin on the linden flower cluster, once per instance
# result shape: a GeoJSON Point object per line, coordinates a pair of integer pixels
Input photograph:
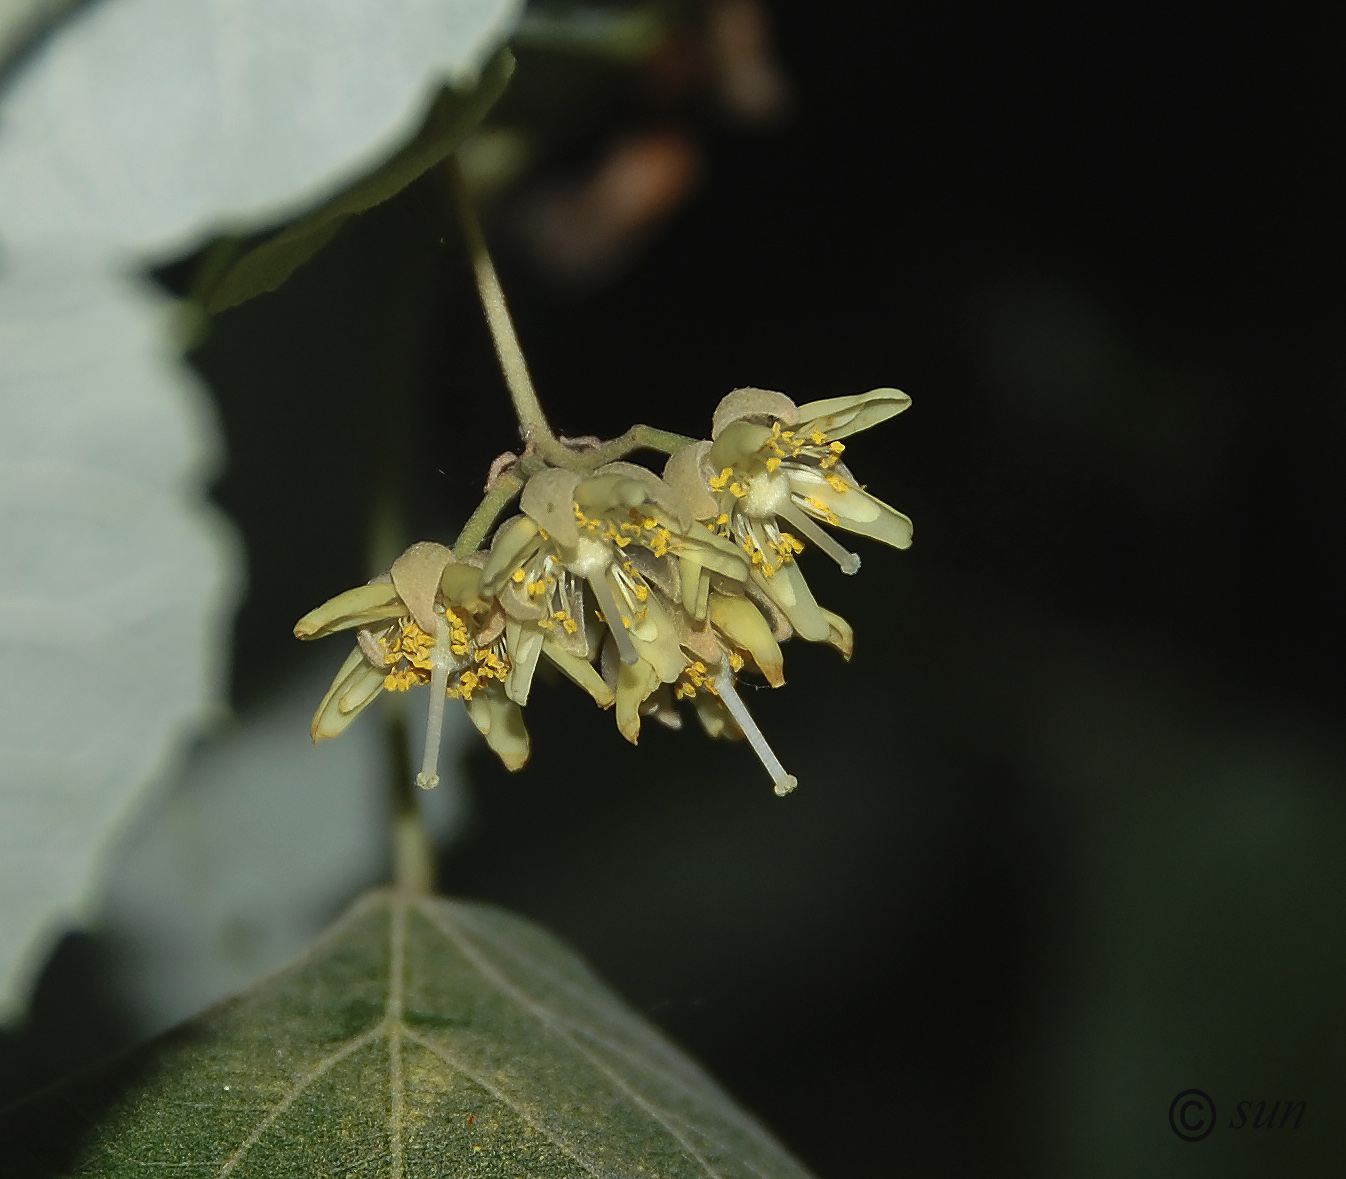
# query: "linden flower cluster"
{"type": "Point", "coordinates": [645, 591]}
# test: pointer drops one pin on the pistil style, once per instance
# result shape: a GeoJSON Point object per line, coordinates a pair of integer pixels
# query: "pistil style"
{"type": "Point", "coordinates": [782, 782]}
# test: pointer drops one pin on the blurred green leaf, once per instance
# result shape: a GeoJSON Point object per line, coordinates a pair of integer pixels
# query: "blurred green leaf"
{"type": "Point", "coordinates": [418, 1037]}
{"type": "Point", "coordinates": [453, 117]}
{"type": "Point", "coordinates": [619, 34]}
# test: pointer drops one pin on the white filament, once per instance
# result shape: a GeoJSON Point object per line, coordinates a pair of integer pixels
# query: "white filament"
{"type": "Point", "coordinates": [607, 602]}
{"type": "Point", "coordinates": [783, 782]}
{"type": "Point", "coordinates": [441, 663]}
{"type": "Point", "coordinates": [849, 561]}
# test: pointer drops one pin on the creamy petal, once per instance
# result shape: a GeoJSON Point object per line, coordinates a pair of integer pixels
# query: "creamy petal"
{"type": "Point", "coordinates": [656, 490]}
{"type": "Point", "coordinates": [515, 541]}
{"type": "Point", "coordinates": [500, 721]}
{"type": "Point", "coordinates": [842, 636]}
{"type": "Point", "coordinates": [715, 553]}
{"type": "Point", "coordinates": [690, 572]}
{"type": "Point", "coordinates": [743, 625]}
{"type": "Point", "coordinates": [519, 603]}
{"type": "Point", "coordinates": [376, 602]}
{"type": "Point", "coordinates": [715, 718]}
{"type": "Point", "coordinates": [661, 708]}
{"type": "Point", "coordinates": [365, 683]}
{"type": "Point", "coordinates": [791, 593]}
{"type": "Point", "coordinates": [737, 442]}
{"type": "Point", "coordinates": [660, 649]}
{"type": "Point", "coordinates": [329, 720]}
{"type": "Point", "coordinates": [461, 586]}
{"type": "Point", "coordinates": [635, 682]}
{"type": "Point", "coordinates": [856, 510]}
{"type": "Point", "coordinates": [579, 671]}
{"type": "Point", "coordinates": [840, 417]}
{"type": "Point", "coordinates": [525, 645]}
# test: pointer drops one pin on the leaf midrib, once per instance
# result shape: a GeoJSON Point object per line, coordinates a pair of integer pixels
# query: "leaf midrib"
{"type": "Point", "coordinates": [393, 1025]}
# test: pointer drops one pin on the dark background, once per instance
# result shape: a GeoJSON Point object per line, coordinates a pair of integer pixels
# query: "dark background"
{"type": "Point", "coordinates": [1068, 834]}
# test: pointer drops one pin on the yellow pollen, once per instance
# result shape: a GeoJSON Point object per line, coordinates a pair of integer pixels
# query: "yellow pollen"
{"type": "Point", "coordinates": [837, 483]}
{"type": "Point", "coordinates": [817, 437]}
{"type": "Point", "coordinates": [823, 510]}
{"type": "Point", "coordinates": [720, 481]}
{"type": "Point", "coordinates": [518, 576]}
{"type": "Point", "coordinates": [771, 465]}
{"type": "Point", "coordinates": [401, 679]}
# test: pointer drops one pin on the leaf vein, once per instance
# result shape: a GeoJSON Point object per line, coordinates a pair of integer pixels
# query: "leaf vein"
{"type": "Point", "coordinates": [545, 1016]}
{"type": "Point", "coordinates": [328, 1062]}
{"type": "Point", "coordinates": [504, 1098]}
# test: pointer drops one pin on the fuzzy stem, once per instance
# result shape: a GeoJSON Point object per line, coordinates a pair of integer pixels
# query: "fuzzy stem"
{"type": "Point", "coordinates": [636, 438]}
{"type": "Point", "coordinates": [488, 511]}
{"type": "Point", "coordinates": [527, 408]}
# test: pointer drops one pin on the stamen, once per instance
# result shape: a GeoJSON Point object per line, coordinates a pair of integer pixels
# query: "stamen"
{"type": "Point", "coordinates": [724, 685]}
{"type": "Point", "coordinates": [849, 561]}
{"type": "Point", "coordinates": [607, 602]}
{"type": "Point", "coordinates": [441, 663]}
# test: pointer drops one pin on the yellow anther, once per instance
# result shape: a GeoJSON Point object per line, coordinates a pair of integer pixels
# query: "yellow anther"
{"type": "Point", "coordinates": [735, 661]}
{"type": "Point", "coordinates": [837, 483]}
{"type": "Point", "coordinates": [771, 465]}
{"type": "Point", "coordinates": [401, 679]}
{"type": "Point", "coordinates": [837, 447]}
{"type": "Point", "coordinates": [738, 489]}
{"type": "Point", "coordinates": [641, 593]}
{"type": "Point", "coordinates": [719, 481]}
{"type": "Point", "coordinates": [817, 437]}
{"type": "Point", "coordinates": [518, 576]}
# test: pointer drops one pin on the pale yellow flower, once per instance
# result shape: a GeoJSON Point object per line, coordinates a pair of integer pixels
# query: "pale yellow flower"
{"type": "Point", "coordinates": [424, 620]}
{"type": "Point", "coordinates": [734, 636]}
{"type": "Point", "coordinates": [772, 466]}
{"type": "Point", "coordinates": [612, 531]}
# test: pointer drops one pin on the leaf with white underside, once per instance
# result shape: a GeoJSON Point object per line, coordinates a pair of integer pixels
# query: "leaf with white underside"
{"type": "Point", "coordinates": [137, 130]}
{"type": "Point", "coordinates": [116, 582]}
{"type": "Point", "coordinates": [452, 117]}
{"type": "Point", "coordinates": [420, 1037]}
